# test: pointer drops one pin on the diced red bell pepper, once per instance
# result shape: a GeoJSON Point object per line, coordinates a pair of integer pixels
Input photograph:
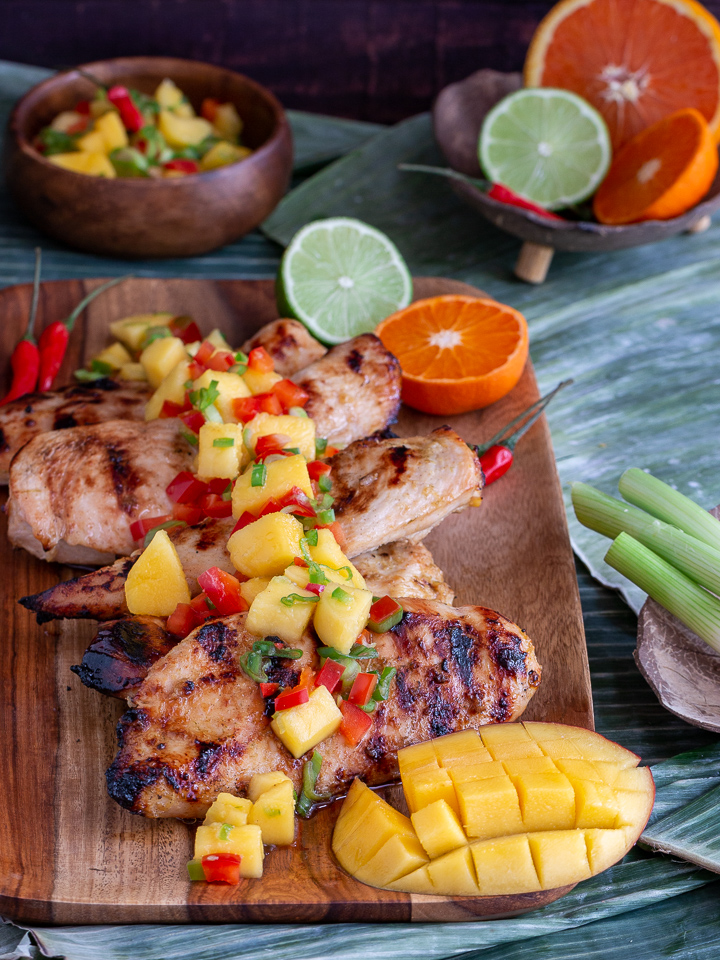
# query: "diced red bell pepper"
{"type": "Point", "coordinates": [193, 420]}
{"type": "Point", "coordinates": [83, 107]}
{"type": "Point", "coordinates": [77, 127]}
{"type": "Point", "coordinates": [362, 688]}
{"type": "Point", "coordinates": [222, 868]}
{"type": "Point", "coordinates": [270, 444]}
{"type": "Point", "coordinates": [307, 678]}
{"type": "Point", "coordinates": [131, 117]}
{"type": "Point", "coordinates": [182, 620]}
{"type": "Point", "coordinates": [221, 361]}
{"type": "Point", "coordinates": [189, 513]}
{"type": "Point", "coordinates": [299, 562]}
{"type": "Point", "coordinates": [290, 394]}
{"type": "Point", "coordinates": [269, 403]}
{"type": "Point", "coordinates": [330, 675]}
{"type": "Point", "coordinates": [317, 469]}
{"type": "Point", "coordinates": [316, 588]}
{"type": "Point", "coordinates": [268, 689]}
{"type": "Point", "coordinates": [196, 369]}
{"type": "Point", "coordinates": [223, 589]}
{"type": "Point", "coordinates": [331, 451]}
{"type": "Point", "coordinates": [245, 520]}
{"type": "Point", "coordinates": [218, 485]}
{"type": "Point", "coordinates": [385, 613]}
{"type": "Point", "coordinates": [205, 351]}
{"type": "Point", "coordinates": [213, 505]}
{"type": "Point", "coordinates": [186, 488]}
{"type": "Point", "coordinates": [260, 360]}
{"type": "Point", "coordinates": [299, 501]}
{"type": "Point", "coordinates": [336, 531]}
{"type": "Point", "coordinates": [182, 166]}
{"type": "Point", "coordinates": [355, 722]}
{"type": "Point", "coordinates": [185, 329]}
{"type": "Point", "coordinates": [245, 408]}
{"type": "Point", "coordinates": [209, 108]}
{"type": "Point", "coordinates": [293, 698]}
{"type": "Point", "coordinates": [139, 528]}
{"type": "Point", "coordinates": [272, 506]}
{"type": "Point", "coordinates": [170, 410]}
{"type": "Point", "coordinates": [200, 607]}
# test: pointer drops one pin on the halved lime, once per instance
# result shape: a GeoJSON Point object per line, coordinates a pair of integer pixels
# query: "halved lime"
{"type": "Point", "coordinates": [548, 145]}
{"type": "Point", "coordinates": [341, 277]}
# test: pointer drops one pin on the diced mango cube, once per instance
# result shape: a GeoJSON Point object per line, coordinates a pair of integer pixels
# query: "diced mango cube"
{"type": "Point", "coordinates": [579, 770]}
{"type": "Point", "coordinates": [244, 841]}
{"type": "Point", "coordinates": [397, 857]}
{"type": "Point", "coordinates": [341, 615]}
{"type": "Point", "coordinates": [229, 809]}
{"type": "Point", "coordinates": [219, 450]}
{"type": "Point", "coordinates": [132, 330]}
{"type": "Point", "coordinates": [92, 142]}
{"type": "Point", "coordinates": [156, 582]}
{"type": "Point", "coordinates": [260, 782]}
{"type": "Point", "coordinates": [327, 553]}
{"type": "Point", "coordinates": [417, 755]}
{"type": "Point", "coordinates": [368, 825]}
{"type": "Point", "coordinates": [282, 475]}
{"type": "Point", "coordinates": [454, 874]}
{"type": "Point", "coordinates": [301, 728]}
{"type": "Point", "coordinates": [416, 882]}
{"type": "Point", "coordinates": [604, 848]}
{"type": "Point", "coordinates": [489, 808]}
{"type": "Point", "coordinates": [267, 546]}
{"type": "Point", "coordinates": [274, 813]}
{"type": "Point", "coordinates": [94, 163]}
{"type": "Point", "coordinates": [270, 617]}
{"type": "Point", "coordinates": [227, 121]}
{"type": "Point", "coordinates": [132, 371]}
{"type": "Point", "coordinates": [560, 857]}
{"type": "Point", "coordinates": [477, 771]}
{"type": "Point", "coordinates": [230, 386]}
{"type": "Point", "coordinates": [223, 153]}
{"type": "Point", "coordinates": [115, 356]}
{"type": "Point", "coordinates": [595, 805]}
{"type": "Point", "coordinates": [112, 131]}
{"type": "Point", "coordinates": [504, 866]}
{"type": "Point", "coordinates": [249, 589]}
{"type": "Point", "coordinates": [183, 131]}
{"type": "Point", "coordinates": [259, 381]}
{"type": "Point", "coordinates": [428, 784]}
{"type": "Point", "coordinates": [438, 828]}
{"type": "Point", "coordinates": [172, 388]}
{"type": "Point", "coordinates": [217, 338]}
{"type": "Point", "coordinates": [301, 431]}
{"type": "Point", "coordinates": [459, 749]}
{"type": "Point", "coordinates": [547, 801]}
{"type": "Point", "coordinates": [528, 765]}
{"type": "Point", "coordinates": [168, 94]}
{"type": "Point", "coordinates": [161, 356]}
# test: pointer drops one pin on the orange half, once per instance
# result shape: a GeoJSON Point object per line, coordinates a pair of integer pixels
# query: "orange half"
{"type": "Point", "coordinates": [457, 353]}
{"type": "Point", "coordinates": [635, 61]}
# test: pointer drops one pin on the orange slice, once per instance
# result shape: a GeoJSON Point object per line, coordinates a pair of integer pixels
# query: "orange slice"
{"type": "Point", "coordinates": [660, 173]}
{"type": "Point", "coordinates": [457, 353]}
{"type": "Point", "coordinates": [635, 61]}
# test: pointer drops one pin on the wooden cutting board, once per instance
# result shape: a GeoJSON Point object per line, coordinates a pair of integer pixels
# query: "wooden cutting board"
{"type": "Point", "coordinates": [68, 854]}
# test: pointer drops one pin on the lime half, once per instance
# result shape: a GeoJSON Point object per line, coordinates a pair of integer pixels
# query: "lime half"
{"type": "Point", "coordinates": [548, 145]}
{"type": "Point", "coordinates": [341, 277]}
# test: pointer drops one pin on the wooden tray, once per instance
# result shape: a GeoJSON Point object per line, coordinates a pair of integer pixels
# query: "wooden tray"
{"type": "Point", "coordinates": [68, 854]}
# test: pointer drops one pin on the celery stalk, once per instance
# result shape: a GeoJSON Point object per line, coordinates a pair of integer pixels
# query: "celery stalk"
{"type": "Point", "coordinates": [695, 607]}
{"type": "Point", "coordinates": [666, 504]}
{"type": "Point", "coordinates": [611, 517]}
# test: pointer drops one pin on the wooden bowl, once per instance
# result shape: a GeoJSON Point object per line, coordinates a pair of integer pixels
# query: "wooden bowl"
{"type": "Point", "coordinates": [458, 114]}
{"type": "Point", "coordinates": [146, 217]}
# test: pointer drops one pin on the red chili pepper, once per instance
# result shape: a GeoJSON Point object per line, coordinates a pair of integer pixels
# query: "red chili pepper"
{"type": "Point", "coordinates": [260, 360]}
{"type": "Point", "coordinates": [362, 689]}
{"type": "Point", "coordinates": [196, 370]}
{"type": "Point", "coordinates": [185, 329]}
{"type": "Point", "coordinates": [138, 528]}
{"type": "Point", "coordinates": [205, 351]}
{"type": "Point", "coordinates": [77, 127]}
{"type": "Point", "coordinates": [268, 689]}
{"type": "Point", "coordinates": [182, 620]}
{"type": "Point", "coordinates": [290, 394]}
{"type": "Point", "coordinates": [201, 608]}
{"type": "Point", "coordinates": [222, 868]}
{"type": "Point", "coordinates": [299, 562]}
{"type": "Point", "coordinates": [316, 588]}
{"type": "Point", "coordinates": [223, 589]}
{"type": "Point", "coordinates": [299, 501]}
{"type": "Point", "coordinates": [193, 421]}
{"type": "Point", "coordinates": [496, 456]}
{"type": "Point", "coordinates": [182, 166]}
{"type": "Point", "coordinates": [54, 338]}
{"type": "Point", "coordinates": [317, 469]}
{"type": "Point", "coordinates": [171, 410]}
{"type": "Point", "coordinates": [293, 698]}
{"type": "Point", "coordinates": [25, 359]}
{"type": "Point", "coordinates": [131, 117]}
{"type": "Point", "coordinates": [330, 675]}
{"type": "Point", "coordinates": [218, 485]}
{"type": "Point", "coordinates": [499, 192]}
{"type": "Point", "coordinates": [271, 444]}
{"type": "Point", "coordinates": [355, 722]}
{"type": "Point", "coordinates": [272, 506]}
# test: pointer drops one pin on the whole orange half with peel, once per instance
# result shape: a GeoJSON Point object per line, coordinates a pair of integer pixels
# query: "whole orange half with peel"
{"type": "Point", "coordinates": [635, 61]}
{"type": "Point", "coordinates": [457, 353]}
{"type": "Point", "coordinates": [661, 173]}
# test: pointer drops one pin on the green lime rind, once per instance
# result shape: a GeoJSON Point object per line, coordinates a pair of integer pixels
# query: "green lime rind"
{"type": "Point", "coordinates": [548, 145]}
{"type": "Point", "coordinates": [341, 277]}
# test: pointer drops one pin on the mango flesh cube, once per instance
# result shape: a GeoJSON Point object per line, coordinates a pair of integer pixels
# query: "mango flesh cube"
{"type": "Point", "coordinates": [523, 768]}
{"type": "Point", "coordinates": [454, 874]}
{"type": "Point", "coordinates": [132, 330]}
{"type": "Point", "coordinates": [249, 589]}
{"type": "Point", "coordinates": [327, 552]}
{"type": "Point", "coordinates": [595, 805]}
{"type": "Point", "coordinates": [183, 131]}
{"type": "Point", "coordinates": [504, 866]}
{"type": "Point", "coordinates": [301, 575]}
{"type": "Point", "coordinates": [370, 823]}
{"type": "Point", "coordinates": [604, 848]}
{"type": "Point", "coordinates": [634, 807]}
{"type": "Point", "coordinates": [172, 388]}
{"type": "Point", "coordinates": [397, 857]}
{"type": "Point", "coordinates": [607, 771]}
{"type": "Point", "coordinates": [132, 371]}
{"type": "Point", "coordinates": [274, 813]}
{"type": "Point", "coordinates": [563, 750]}
{"type": "Point", "coordinates": [301, 728]}
{"type": "Point", "coordinates": [547, 801]}
{"type": "Point", "coordinates": [244, 841]}
{"type": "Point", "coordinates": [416, 882]}
{"type": "Point", "coordinates": [270, 617]}
{"type": "Point", "coordinates": [264, 548]}
{"type": "Point", "coordinates": [417, 755]}
{"type": "Point", "coordinates": [281, 477]}
{"type": "Point", "coordinates": [217, 339]}
{"type": "Point", "coordinates": [156, 582]}
{"type": "Point", "coordinates": [301, 430]}
{"type": "Point", "coordinates": [160, 357]}
{"type": "Point", "coordinates": [438, 828]}
{"type": "Point", "coordinates": [477, 771]}
{"type": "Point", "coordinates": [338, 622]}
{"type": "Point", "coordinates": [219, 451]}
{"type": "Point", "coordinates": [260, 782]}
{"type": "Point", "coordinates": [230, 386]}
{"type": "Point", "coordinates": [428, 784]}
{"type": "Point", "coordinates": [560, 857]}
{"type": "Point", "coordinates": [112, 131]}
{"type": "Point", "coordinates": [116, 356]}
{"type": "Point", "coordinates": [167, 94]}
{"type": "Point", "coordinates": [92, 142]}
{"type": "Point", "coordinates": [489, 808]}
{"type": "Point", "coordinates": [597, 747]}
{"type": "Point", "coordinates": [496, 733]}
{"type": "Point", "coordinates": [579, 770]}
{"type": "Point", "coordinates": [258, 381]}
{"type": "Point", "coordinates": [460, 748]}
{"type": "Point", "coordinates": [229, 809]}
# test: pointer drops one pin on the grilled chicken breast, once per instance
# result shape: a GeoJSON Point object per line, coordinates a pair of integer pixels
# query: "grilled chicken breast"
{"type": "Point", "coordinates": [198, 726]}
{"type": "Point", "coordinates": [74, 493]}
{"type": "Point", "coordinates": [357, 382]}
{"type": "Point", "coordinates": [23, 419]}
{"type": "Point", "coordinates": [289, 343]}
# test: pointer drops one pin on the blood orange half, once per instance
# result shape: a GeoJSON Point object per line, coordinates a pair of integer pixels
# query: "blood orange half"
{"type": "Point", "coordinates": [635, 61]}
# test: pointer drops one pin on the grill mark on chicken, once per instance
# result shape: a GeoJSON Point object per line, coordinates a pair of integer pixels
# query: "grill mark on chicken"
{"type": "Point", "coordinates": [180, 746]}
{"type": "Point", "coordinates": [355, 361]}
{"type": "Point", "coordinates": [212, 638]}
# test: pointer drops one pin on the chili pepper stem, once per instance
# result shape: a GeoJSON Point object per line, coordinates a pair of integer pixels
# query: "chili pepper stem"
{"type": "Point", "coordinates": [29, 333]}
{"type": "Point", "coordinates": [479, 182]}
{"type": "Point", "coordinates": [533, 412]}
{"type": "Point", "coordinates": [69, 322]}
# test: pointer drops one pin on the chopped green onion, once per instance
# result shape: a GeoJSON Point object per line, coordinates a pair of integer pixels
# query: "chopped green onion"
{"type": "Point", "coordinates": [317, 575]}
{"type": "Point", "coordinates": [247, 438]}
{"type": "Point", "coordinates": [346, 571]}
{"type": "Point", "coordinates": [224, 442]}
{"type": "Point", "coordinates": [320, 447]}
{"type": "Point", "coordinates": [209, 603]}
{"type": "Point", "coordinates": [212, 414]}
{"type": "Point", "coordinates": [309, 795]}
{"type": "Point", "coordinates": [612, 517]}
{"type": "Point", "coordinates": [370, 706]}
{"type": "Point", "coordinates": [292, 598]}
{"type": "Point", "coordinates": [162, 526]}
{"type": "Point", "coordinates": [358, 652]}
{"type": "Point", "coordinates": [342, 595]}
{"type": "Point", "coordinates": [204, 397]}
{"type": "Point", "coordinates": [666, 504]}
{"type": "Point", "coordinates": [295, 450]}
{"type": "Point", "coordinates": [239, 368]}
{"type": "Point", "coordinates": [252, 664]}
{"type": "Point", "coordinates": [155, 333]}
{"type": "Point", "coordinates": [325, 483]}
{"type": "Point", "coordinates": [297, 412]}
{"type": "Point", "coordinates": [312, 538]}
{"type": "Point", "coordinates": [189, 436]}
{"type": "Point", "coordinates": [88, 375]}
{"type": "Point", "coordinates": [695, 607]}
{"type": "Point", "coordinates": [382, 688]}
{"type": "Point", "coordinates": [225, 831]}
{"type": "Point", "coordinates": [227, 492]}
{"type": "Point", "coordinates": [326, 517]}
{"type": "Point", "coordinates": [240, 357]}
{"type": "Point", "coordinates": [259, 475]}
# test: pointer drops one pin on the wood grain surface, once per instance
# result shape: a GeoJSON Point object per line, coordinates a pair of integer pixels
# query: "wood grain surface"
{"type": "Point", "coordinates": [70, 855]}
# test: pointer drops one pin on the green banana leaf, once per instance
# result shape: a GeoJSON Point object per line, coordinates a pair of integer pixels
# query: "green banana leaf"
{"type": "Point", "coordinates": [691, 833]}
{"type": "Point", "coordinates": [635, 328]}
